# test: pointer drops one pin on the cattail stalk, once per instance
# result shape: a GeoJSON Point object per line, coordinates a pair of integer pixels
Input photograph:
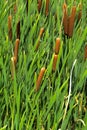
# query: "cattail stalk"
{"type": "Point", "coordinates": [54, 62]}
{"type": "Point", "coordinates": [65, 19]}
{"type": "Point", "coordinates": [39, 79]}
{"type": "Point", "coordinates": [13, 59]}
{"type": "Point", "coordinates": [16, 49]}
{"type": "Point", "coordinates": [47, 7]}
{"type": "Point", "coordinates": [18, 30]}
{"type": "Point", "coordinates": [57, 46]}
{"type": "Point", "coordinates": [39, 5]}
{"type": "Point", "coordinates": [85, 56]}
{"type": "Point", "coordinates": [71, 21]}
{"type": "Point", "coordinates": [10, 27]}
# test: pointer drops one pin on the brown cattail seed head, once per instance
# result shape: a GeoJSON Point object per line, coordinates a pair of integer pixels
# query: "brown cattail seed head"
{"type": "Point", "coordinates": [80, 12]}
{"type": "Point", "coordinates": [85, 56]}
{"type": "Point", "coordinates": [47, 7]}
{"type": "Point", "coordinates": [71, 21]}
{"type": "Point", "coordinates": [18, 30]}
{"type": "Point", "coordinates": [16, 49]}
{"type": "Point", "coordinates": [10, 27]}
{"type": "Point", "coordinates": [15, 8]}
{"type": "Point", "coordinates": [41, 74]}
{"type": "Point", "coordinates": [57, 46]}
{"type": "Point", "coordinates": [40, 35]}
{"type": "Point", "coordinates": [41, 32]}
{"type": "Point", "coordinates": [54, 62]}
{"type": "Point", "coordinates": [39, 5]}
{"type": "Point", "coordinates": [65, 19]}
{"type": "Point", "coordinates": [13, 59]}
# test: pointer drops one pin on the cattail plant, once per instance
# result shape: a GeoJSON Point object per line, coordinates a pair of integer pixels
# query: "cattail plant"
{"type": "Point", "coordinates": [16, 49]}
{"type": "Point", "coordinates": [71, 21]}
{"type": "Point", "coordinates": [13, 60]}
{"type": "Point", "coordinates": [57, 46]}
{"type": "Point", "coordinates": [85, 55]}
{"type": "Point", "coordinates": [10, 27]}
{"type": "Point", "coordinates": [54, 62]}
{"type": "Point", "coordinates": [18, 30]}
{"type": "Point", "coordinates": [47, 7]}
{"type": "Point", "coordinates": [40, 35]}
{"type": "Point", "coordinates": [65, 18]}
{"type": "Point", "coordinates": [68, 21]}
{"type": "Point", "coordinates": [39, 5]}
{"type": "Point", "coordinates": [39, 79]}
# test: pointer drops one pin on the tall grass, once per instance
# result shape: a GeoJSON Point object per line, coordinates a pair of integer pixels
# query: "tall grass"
{"type": "Point", "coordinates": [23, 108]}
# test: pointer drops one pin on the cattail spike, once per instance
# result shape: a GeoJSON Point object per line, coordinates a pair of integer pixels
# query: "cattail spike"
{"type": "Point", "coordinates": [47, 7]}
{"type": "Point", "coordinates": [41, 32]}
{"type": "Point", "coordinates": [15, 9]}
{"type": "Point", "coordinates": [65, 19]}
{"type": "Point", "coordinates": [39, 5]}
{"type": "Point", "coordinates": [54, 62]}
{"type": "Point", "coordinates": [57, 45]}
{"type": "Point", "coordinates": [10, 27]}
{"type": "Point", "coordinates": [16, 49]}
{"type": "Point", "coordinates": [39, 80]}
{"type": "Point", "coordinates": [40, 35]}
{"type": "Point", "coordinates": [80, 12]}
{"type": "Point", "coordinates": [71, 21]}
